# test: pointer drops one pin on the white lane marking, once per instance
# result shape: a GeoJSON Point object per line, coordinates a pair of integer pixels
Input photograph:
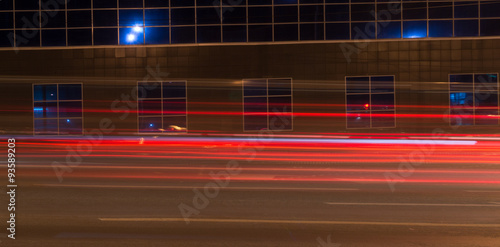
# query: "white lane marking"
{"type": "Point", "coordinates": [320, 222]}
{"type": "Point", "coordinates": [495, 204]}
{"type": "Point", "coordinates": [483, 191]}
{"type": "Point", "coordinates": [190, 187]}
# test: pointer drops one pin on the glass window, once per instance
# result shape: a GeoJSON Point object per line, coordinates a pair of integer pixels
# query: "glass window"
{"type": "Point", "coordinates": [464, 28]}
{"type": "Point", "coordinates": [370, 102]}
{"type": "Point", "coordinates": [105, 18]}
{"type": "Point", "coordinates": [209, 34]}
{"type": "Point", "coordinates": [287, 32]}
{"type": "Point", "coordinates": [285, 1]}
{"type": "Point", "coordinates": [285, 14]}
{"type": "Point", "coordinates": [260, 14]}
{"type": "Point", "coordinates": [362, 12]}
{"type": "Point", "coordinates": [70, 126]}
{"type": "Point", "coordinates": [414, 29]}
{"type": "Point", "coordinates": [474, 99]}
{"type": "Point", "coordinates": [234, 15]}
{"type": "Point", "coordinates": [45, 126]}
{"type": "Point", "coordinates": [149, 107]}
{"type": "Point", "coordinates": [105, 36]}
{"type": "Point", "coordinates": [490, 9]}
{"type": "Point", "coordinates": [104, 4]}
{"type": "Point", "coordinates": [79, 37]}
{"type": "Point", "coordinates": [313, 31]}
{"type": "Point", "coordinates": [389, 30]}
{"type": "Point", "coordinates": [267, 104]}
{"type": "Point", "coordinates": [174, 89]}
{"type": "Point", "coordinates": [6, 20]}
{"type": "Point", "coordinates": [57, 109]}
{"type": "Point", "coordinates": [440, 28]}
{"type": "Point", "coordinates": [70, 92]}
{"type": "Point", "coordinates": [131, 17]}
{"type": "Point", "coordinates": [70, 109]}
{"type": "Point", "coordinates": [357, 85]}
{"type": "Point", "coordinates": [363, 30]}
{"type": "Point", "coordinates": [147, 90]}
{"type": "Point", "coordinates": [130, 4]}
{"type": "Point", "coordinates": [5, 38]}
{"type": "Point", "coordinates": [79, 18]}
{"type": "Point", "coordinates": [54, 19]}
{"type": "Point", "coordinates": [132, 36]}
{"type": "Point", "coordinates": [6, 5]}
{"type": "Point", "coordinates": [174, 106]}
{"type": "Point", "coordinates": [28, 37]}
{"type": "Point", "coordinates": [27, 4]}
{"type": "Point", "coordinates": [80, 4]}
{"type": "Point", "coordinates": [467, 9]}
{"type": "Point", "coordinates": [490, 27]}
{"type": "Point", "coordinates": [337, 12]}
{"type": "Point", "coordinates": [208, 15]}
{"type": "Point", "coordinates": [157, 35]}
{"type": "Point", "coordinates": [183, 35]}
{"type": "Point", "coordinates": [150, 124]}
{"type": "Point", "coordinates": [29, 19]}
{"type": "Point", "coordinates": [414, 11]}
{"type": "Point", "coordinates": [388, 12]}
{"type": "Point", "coordinates": [260, 2]}
{"type": "Point", "coordinates": [156, 3]}
{"type": "Point", "coordinates": [234, 33]}
{"type": "Point", "coordinates": [182, 16]}
{"type": "Point", "coordinates": [181, 3]}
{"type": "Point", "coordinates": [259, 33]}
{"type": "Point", "coordinates": [311, 13]}
{"type": "Point", "coordinates": [55, 37]}
{"type": "Point", "coordinates": [337, 31]}
{"type": "Point", "coordinates": [440, 10]}
{"type": "Point", "coordinates": [162, 106]}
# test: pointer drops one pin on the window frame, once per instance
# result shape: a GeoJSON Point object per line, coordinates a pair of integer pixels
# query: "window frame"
{"type": "Point", "coordinates": [370, 97]}
{"type": "Point", "coordinates": [267, 100]}
{"type": "Point", "coordinates": [58, 108]}
{"type": "Point", "coordinates": [450, 116]}
{"type": "Point", "coordinates": [162, 115]}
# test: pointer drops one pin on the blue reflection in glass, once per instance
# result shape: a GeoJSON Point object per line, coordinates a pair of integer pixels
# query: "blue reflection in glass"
{"type": "Point", "coordinates": [157, 35]}
{"type": "Point", "coordinates": [414, 29]}
{"type": "Point", "coordinates": [460, 99]}
{"type": "Point", "coordinates": [132, 36]}
{"type": "Point", "coordinates": [440, 28]}
{"type": "Point", "coordinates": [156, 17]}
{"type": "Point", "coordinates": [131, 17]}
{"type": "Point", "coordinates": [389, 30]}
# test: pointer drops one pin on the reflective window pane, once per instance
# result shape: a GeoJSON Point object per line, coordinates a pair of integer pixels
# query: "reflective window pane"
{"type": "Point", "coordinates": [174, 89]}
{"type": "Point", "coordinates": [68, 109]}
{"type": "Point", "coordinates": [45, 92]}
{"type": "Point", "coordinates": [256, 87]}
{"type": "Point", "coordinates": [150, 124]}
{"type": "Point", "coordinates": [45, 109]}
{"type": "Point", "coordinates": [149, 90]}
{"type": "Point", "coordinates": [45, 127]}
{"type": "Point", "coordinates": [70, 126]}
{"type": "Point", "coordinates": [70, 91]}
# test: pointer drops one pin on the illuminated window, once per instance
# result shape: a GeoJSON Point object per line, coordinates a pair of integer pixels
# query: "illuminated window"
{"type": "Point", "coordinates": [267, 104]}
{"type": "Point", "coordinates": [370, 102]}
{"type": "Point", "coordinates": [474, 99]}
{"type": "Point", "coordinates": [57, 109]}
{"type": "Point", "coordinates": [162, 107]}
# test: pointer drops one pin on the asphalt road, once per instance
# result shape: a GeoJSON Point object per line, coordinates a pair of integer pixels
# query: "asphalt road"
{"type": "Point", "coordinates": [238, 192]}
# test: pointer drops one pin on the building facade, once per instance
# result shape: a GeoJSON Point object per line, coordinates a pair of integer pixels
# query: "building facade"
{"type": "Point", "coordinates": [318, 66]}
